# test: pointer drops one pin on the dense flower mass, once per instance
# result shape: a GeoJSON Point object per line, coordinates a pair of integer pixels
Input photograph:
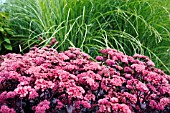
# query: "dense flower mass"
{"type": "Point", "coordinates": [45, 81]}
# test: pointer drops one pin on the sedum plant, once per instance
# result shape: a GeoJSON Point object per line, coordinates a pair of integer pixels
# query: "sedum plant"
{"type": "Point", "coordinates": [46, 81]}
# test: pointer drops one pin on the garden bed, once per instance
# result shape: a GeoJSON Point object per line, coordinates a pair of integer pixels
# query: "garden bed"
{"type": "Point", "coordinates": [46, 81]}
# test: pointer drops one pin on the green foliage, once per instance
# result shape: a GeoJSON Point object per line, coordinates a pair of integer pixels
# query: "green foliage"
{"type": "Point", "coordinates": [131, 26]}
{"type": "Point", "coordinates": [5, 33]}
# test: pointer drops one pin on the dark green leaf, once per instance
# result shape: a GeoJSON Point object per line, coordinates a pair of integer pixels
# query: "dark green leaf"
{"type": "Point", "coordinates": [1, 30]}
{"type": "Point", "coordinates": [7, 40]}
{"type": "Point", "coordinates": [9, 31]}
{"type": "Point", "coordinates": [1, 40]}
{"type": "Point", "coordinates": [7, 46]}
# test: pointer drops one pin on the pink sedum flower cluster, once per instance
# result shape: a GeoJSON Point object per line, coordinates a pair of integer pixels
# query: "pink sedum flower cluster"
{"type": "Point", "coordinates": [45, 81]}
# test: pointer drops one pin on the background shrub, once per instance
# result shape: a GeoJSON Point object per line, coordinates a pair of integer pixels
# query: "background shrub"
{"type": "Point", "coordinates": [5, 33]}
{"type": "Point", "coordinates": [44, 80]}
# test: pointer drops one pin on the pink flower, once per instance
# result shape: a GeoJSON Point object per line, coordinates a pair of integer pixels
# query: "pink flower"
{"type": "Point", "coordinates": [62, 56]}
{"type": "Point", "coordinates": [99, 58]}
{"type": "Point", "coordinates": [59, 104]}
{"type": "Point", "coordinates": [152, 104]}
{"type": "Point", "coordinates": [125, 60]}
{"type": "Point", "coordinates": [22, 90]}
{"type": "Point", "coordinates": [53, 41]}
{"type": "Point", "coordinates": [92, 66]}
{"type": "Point", "coordinates": [132, 98]}
{"type": "Point", "coordinates": [43, 84]}
{"type": "Point", "coordinates": [110, 62]}
{"type": "Point", "coordinates": [105, 84]}
{"type": "Point", "coordinates": [153, 96]}
{"type": "Point", "coordinates": [117, 80]}
{"type": "Point", "coordinates": [94, 86]}
{"type": "Point", "coordinates": [89, 96]}
{"type": "Point", "coordinates": [39, 38]}
{"type": "Point", "coordinates": [128, 75]}
{"type": "Point", "coordinates": [115, 106]}
{"type": "Point", "coordinates": [150, 63]}
{"type": "Point", "coordinates": [129, 86]}
{"type": "Point", "coordinates": [76, 91]}
{"type": "Point", "coordinates": [67, 84]}
{"type": "Point", "coordinates": [130, 59]}
{"type": "Point", "coordinates": [42, 107]}
{"type": "Point", "coordinates": [39, 60]}
{"type": "Point", "coordinates": [33, 94]}
{"type": "Point", "coordinates": [75, 50]}
{"type": "Point", "coordinates": [145, 72]}
{"type": "Point", "coordinates": [114, 58]}
{"type": "Point", "coordinates": [103, 101]}
{"type": "Point", "coordinates": [11, 94]}
{"type": "Point", "coordinates": [114, 100]}
{"type": "Point", "coordinates": [89, 79]}
{"type": "Point", "coordinates": [79, 61]}
{"type": "Point", "coordinates": [142, 87]}
{"type": "Point", "coordinates": [153, 77]}
{"type": "Point", "coordinates": [84, 55]}
{"type": "Point", "coordinates": [117, 67]}
{"type": "Point", "coordinates": [104, 51]}
{"type": "Point", "coordinates": [102, 108]}
{"type": "Point", "coordinates": [93, 75]}
{"type": "Point", "coordinates": [23, 82]}
{"type": "Point", "coordinates": [3, 95]}
{"type": "Point", "coordinates": [70, 67]}
{"type": "Point", "coordinates": [84, 103]}
{"type": "Point", "coordinates": [104, 71]}
{"type": "Point", "coordinates": [119, 55]}
{"type": "Point", "coordinates": [151, 87]}
{"type": "Point", "coordinates": [138, 67]}
{"type": "Point", "coordinates": [128, 70]}
{"type": "Point", "coordinates": [65, 76]}
{"type": "Point", "coordinates": [160, 107]}
{"type": "Point", "coordinates": [33, 69]}
{"type": "Point", "coordinates": [165, 89]}
{"type": "Point", "coordinates": [6, 109]}
{"type": "Point", "coordinates": [164, 101]}
{"type": "Point", "coordinates": [124, 108]}
{"type": "Point", "coordinates": [104, 105]}
{"type": "Point", "coordinates": [69, 54]}
{"type": "Point", "coordinates": [141, 56]}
